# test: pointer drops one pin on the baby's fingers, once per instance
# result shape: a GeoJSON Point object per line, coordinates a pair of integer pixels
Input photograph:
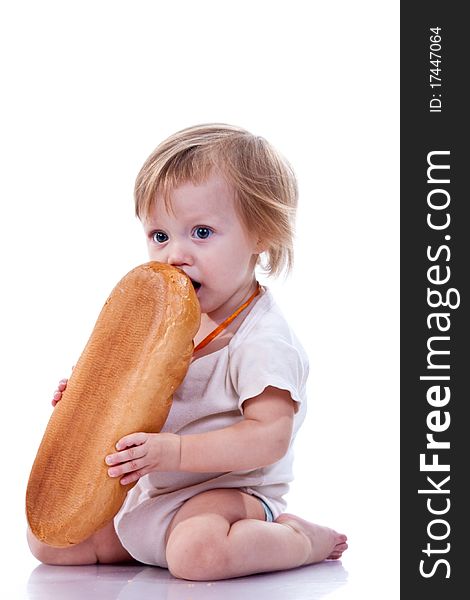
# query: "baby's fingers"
{"type": "Point", "coordinates": [57, 396]}
{"type": "Point", "coordinates": [58, 393]}
{"type": "Point", "coordinates": [62, 385]}
{"type": "Point", "coordinates": [133, 439]}
{"type": "Point", "coordinates": [126, 456]}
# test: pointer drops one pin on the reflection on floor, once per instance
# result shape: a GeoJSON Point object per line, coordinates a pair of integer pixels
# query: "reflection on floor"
{"type": "Point", "coordinates": [137, 582]}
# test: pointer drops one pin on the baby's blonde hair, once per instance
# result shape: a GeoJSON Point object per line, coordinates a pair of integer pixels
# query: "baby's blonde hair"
{"type": "Point", "coordinates": [263, 181]}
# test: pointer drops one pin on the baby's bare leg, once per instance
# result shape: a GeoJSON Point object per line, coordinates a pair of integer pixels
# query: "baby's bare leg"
{"type": "Point", "coordinates": [222, 534]}
{"type": "Point", "coordinates": [102, 547]}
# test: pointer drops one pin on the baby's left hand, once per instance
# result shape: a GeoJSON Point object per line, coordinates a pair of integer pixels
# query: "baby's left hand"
{"type": "Point", "coordinates": [141, 453]}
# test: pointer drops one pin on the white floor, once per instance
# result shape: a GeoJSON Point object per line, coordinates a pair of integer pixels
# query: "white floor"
{"type": "Point", "coordinates": [140, 583]}
{"type": "Point", "coordinates": [331, 579]}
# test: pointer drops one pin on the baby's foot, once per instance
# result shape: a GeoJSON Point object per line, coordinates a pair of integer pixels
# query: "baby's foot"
{"type": "Point", "coordinates": [324, 543]}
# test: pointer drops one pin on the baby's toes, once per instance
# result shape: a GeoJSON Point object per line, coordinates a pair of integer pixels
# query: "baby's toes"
{"type": "Point", "coordinates": [338, 550]}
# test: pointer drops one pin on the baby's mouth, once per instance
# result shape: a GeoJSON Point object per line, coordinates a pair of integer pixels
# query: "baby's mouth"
{"type": "Point", "coordinates": [196, 285]}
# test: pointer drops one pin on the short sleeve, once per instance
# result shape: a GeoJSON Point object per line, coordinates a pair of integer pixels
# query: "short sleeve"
{"type": "Point", "coordinates": [263, 361]}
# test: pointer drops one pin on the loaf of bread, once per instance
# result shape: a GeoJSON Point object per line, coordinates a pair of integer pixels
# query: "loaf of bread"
{"type": "Point", "coordinates": [137, 355]}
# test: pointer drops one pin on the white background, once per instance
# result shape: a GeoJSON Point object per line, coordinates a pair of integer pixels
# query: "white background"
{"type": "Point", "coordinates": [89, 89]}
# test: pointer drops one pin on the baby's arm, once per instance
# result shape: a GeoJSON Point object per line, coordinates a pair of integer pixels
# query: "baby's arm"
{"type": "Point", "coordinates": [261, 438]}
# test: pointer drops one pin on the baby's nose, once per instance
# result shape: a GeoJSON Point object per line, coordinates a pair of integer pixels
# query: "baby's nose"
{"type": "Point", "coordinates": [179, 255]}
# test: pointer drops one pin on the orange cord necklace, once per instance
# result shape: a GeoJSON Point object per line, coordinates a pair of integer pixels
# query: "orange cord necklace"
{"type": "Point", "coordinates": [227, 321]}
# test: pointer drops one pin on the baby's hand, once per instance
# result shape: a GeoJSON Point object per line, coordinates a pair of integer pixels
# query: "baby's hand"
{"type": "Point", "coordinates": [58, 393]}
{"type": "Point", "coordinates": [60, 389]}
{"type": "Point", "coordinates": [142, 453]}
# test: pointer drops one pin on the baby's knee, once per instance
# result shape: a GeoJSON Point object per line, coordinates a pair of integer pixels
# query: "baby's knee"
{"type": "Point", "coordinates": [195, 552]}
{"type": "Point", "coordinates": [41, 551]}
{"type": "Point", "coordinates": [49, 555]}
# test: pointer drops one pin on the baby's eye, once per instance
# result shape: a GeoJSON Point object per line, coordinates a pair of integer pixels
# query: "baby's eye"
{"type": "Point", "coordinates": [202, 232]}
{"type": "Point", "coordinates": [159, 237]}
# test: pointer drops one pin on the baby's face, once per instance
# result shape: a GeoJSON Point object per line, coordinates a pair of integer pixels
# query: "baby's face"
{"type": "Point", "coordinates": [206, 238]}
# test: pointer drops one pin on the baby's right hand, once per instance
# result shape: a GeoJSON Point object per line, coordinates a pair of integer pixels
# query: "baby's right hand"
{"type": "Point", "coordinates": [58, 393]}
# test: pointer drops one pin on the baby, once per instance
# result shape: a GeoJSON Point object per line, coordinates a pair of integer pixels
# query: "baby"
{"type": "Point", "coordinates": [215, 200]}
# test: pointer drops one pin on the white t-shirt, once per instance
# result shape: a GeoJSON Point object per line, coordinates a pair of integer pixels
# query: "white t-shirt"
{"type": "Point", "coordinates": [263, 352]}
